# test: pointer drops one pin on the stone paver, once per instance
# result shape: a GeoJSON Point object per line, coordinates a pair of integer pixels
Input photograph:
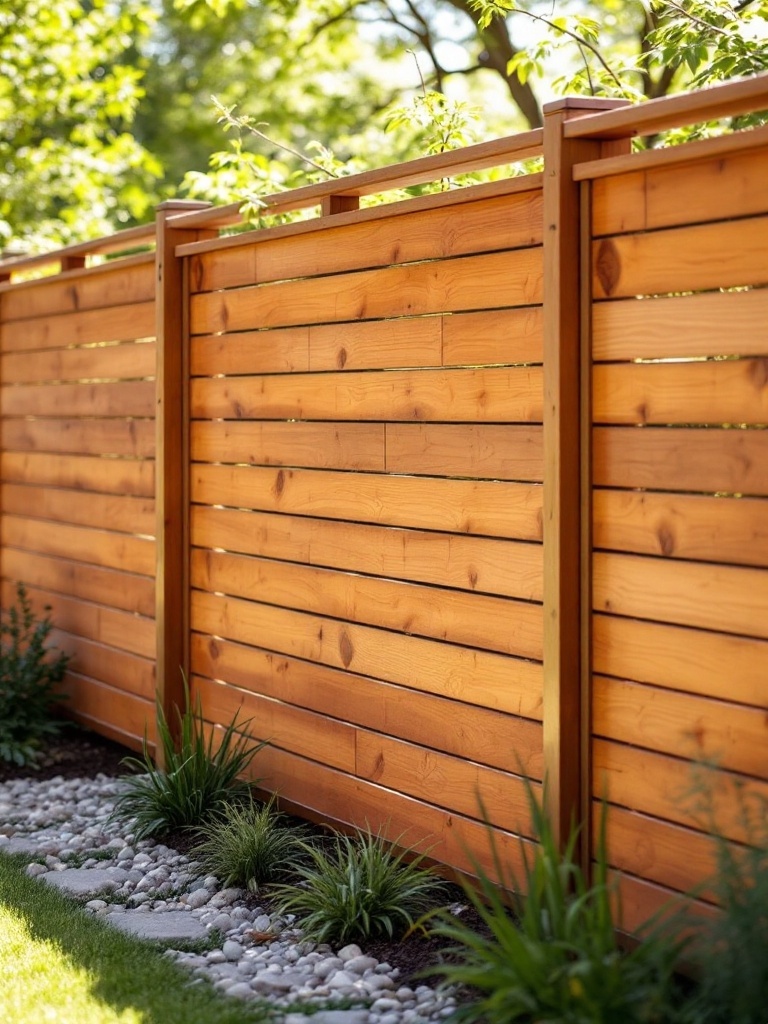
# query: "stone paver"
{"type": "Point", "coordinates": [170, 926]}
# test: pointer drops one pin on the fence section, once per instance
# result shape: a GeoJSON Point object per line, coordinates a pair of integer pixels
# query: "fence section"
{"type": "Point", "coordinates": [680, 517]}
{"type": "Point", "coordinates": [366, 569]}
{"type": "Point", "coordinates": [77, 366]}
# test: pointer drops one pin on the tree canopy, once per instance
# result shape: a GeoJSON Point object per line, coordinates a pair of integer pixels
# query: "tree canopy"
{"type": "Point", "coordinates": [105, 105]}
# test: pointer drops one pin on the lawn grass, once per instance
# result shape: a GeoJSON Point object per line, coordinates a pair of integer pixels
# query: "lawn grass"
{"type": "Point", "coordinates": [59, 963]}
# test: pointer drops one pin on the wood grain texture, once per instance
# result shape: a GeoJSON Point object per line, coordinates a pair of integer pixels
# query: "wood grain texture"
{"type": "Point", "coordinates": [115, 323]}
{"type": "Point", "coordinates": [693, 661]}
{"type": "Point", "coordinates": [725, 255]}
{"type": "Point", "coordinates": [483, 565]}
{"type": "Point", "coordinates": [97, 547]}
{"type": "Point", "coordinates": [474, 677]}
{"type": "Point", "coordinates": [112, 666]}
{"type": "Point", "coordinates": [732, 530]}
{"type": "Point", "coordinates": [462, 506]}
{"type": "Point", "coordinates": [494, 336]}
{"type": "Point", "coordinates": [98, 362]}
{"type": "Point", "coordinates": [91, 436]}
{"type": "Point", "coordinates": [682, 725]}
{"type": "Point", "coordinates": [729, 461]}
{"type": "Point", "coordinates": [467, 450]}
{"type": "Point", "coordinates": [116, 398]}
{"type": "Point", "coordinates": [722, 598]}
{"type": "Point", "coordinates": [80, 473]}
{"type": "Point", "coordinates": [506, 279]}
{"type": "Point", "coordinates": [121, 716]}
{"type": "Point", "coordinates": [475, 620]}
{"type": "Point", "coordinates": [124, 514]}
{"type": "Point", "coordinates": [477, 734]}
{"type": "Point", "coordinates": [707, 324]}
{"type": "Point", "coordinates": [285, 350]}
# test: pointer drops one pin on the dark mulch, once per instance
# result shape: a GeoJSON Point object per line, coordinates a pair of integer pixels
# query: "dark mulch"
{"type": "Point", "coordinates": [79, 753]}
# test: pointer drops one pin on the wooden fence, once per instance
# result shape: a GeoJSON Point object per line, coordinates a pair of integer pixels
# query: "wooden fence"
{"type": "Point", "coordinates": [452, 493]}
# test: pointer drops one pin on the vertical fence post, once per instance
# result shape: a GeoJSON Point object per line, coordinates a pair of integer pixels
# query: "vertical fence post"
{"type": "Point", "coordinates": [567, 517]}
{"type": "Point", "coordinates": [171, 457]}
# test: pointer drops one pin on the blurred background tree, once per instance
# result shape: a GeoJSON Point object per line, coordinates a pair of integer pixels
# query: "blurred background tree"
{"type": "Point", "coordinates": [105, 105]}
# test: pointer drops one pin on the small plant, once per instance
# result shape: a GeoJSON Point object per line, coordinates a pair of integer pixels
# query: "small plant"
{"type": "Point", "coordinates": [359, 888]}
{"type": "Point", "coordinates": [553, 955]}
{"type": "Point", "coordinates": [198, 779]}
{"type": "Point", "coordinates": [29, 672]}
{"type": "Point", "coordinates": [250, 845]}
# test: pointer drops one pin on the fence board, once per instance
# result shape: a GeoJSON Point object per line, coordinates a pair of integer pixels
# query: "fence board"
{"type": "Point", "coordinates": [691, 660]}
{"type": "Point", "coordinates": [126, 672]}
{"type": "Point", "coordinates": [465, 283]}
{"type": "Point", "coordinates": [476, 450]}
{"type": "Point", "coordinates": [116, 323]}
{"type": "Point", "coordinates": [727, 255]}
{"type": "Point", "coordinates": [732, 392]}
{"type": "Point", "coordinates": [475, 677]}
{"type": "Point", "coordinates": [98, 547]}
{"type": "Point", "coordinates": [475, 620]}
{"type": "Point", "coordinates": [495, 336]}
{"type": "Point", "coordinates": [485, 736]}
{"type": "Point", "coordinates": [83, 473]}
{"type": "Point", "coordinates": [476, 507]}
{"type": "Point", "coordinates": [723, 598]}
{"type": "Point", "coordinates": [105, 362]}
{"type": "Point", "coordinates": [283, 350]}
{"type": "Point", "coordinates": [688, 526]}
{"type": "Point", "coordinates": [480, 564]}
{"type": "Point", "coordinates": [122, 513]}
{"type": "Point", "coordinates": [681, 724]}
{"type": "Point", "coordinates": [133, 437]}
{"type": "Point", "coordinates": [120, 716]}
{"type": "Point", "coordinates": [118, 398]}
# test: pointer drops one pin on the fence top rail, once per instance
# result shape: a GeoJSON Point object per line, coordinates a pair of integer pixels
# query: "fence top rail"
{"type": "Point", "coordinates": [729, 100]}
{"type": "Point", "coordinates": [382, 179]}
{"type": "Point", "coordinates": [73, 256]}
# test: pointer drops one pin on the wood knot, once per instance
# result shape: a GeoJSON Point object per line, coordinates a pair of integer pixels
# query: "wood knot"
{"type": "Point", "coordinates": [346, 649]}
{"type": "Point", "coordinates": [608, 266]}
{"type": "Point", "coordinates": [341, 358]}
{"type": "Point", "coordinates": [279, 484]}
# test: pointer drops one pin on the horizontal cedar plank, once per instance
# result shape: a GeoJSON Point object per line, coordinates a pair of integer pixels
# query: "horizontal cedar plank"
{"type": "Point", "coordinates": [116, 398]}
{"type": "Point", "coordinates": [725, 255]}
{"type": "Point", "coordinates": [470, 450]}
{"type": "Point", "coordinates": [453, 783]}
{"type": "Point", "coordinates": [123, 513]}
{"type": "Point", "coordinates": [503, 222]}
{"type": "Point", "coordinates": [494, 336]}
{"type": "Point", "coordinates": [96, 547]}
{"type": "Point", "coordinates": [475, 734]}
{"type": "Point", "coordinates": [99, 288]}
{"type": "Point", "coordinates": [76, 579]}
{"type": "Point", "coordinates": [315, 445]}
{"type": "Point", "coordinates": [658, 851]}
{"type": "Point", "coordinates": [500, 279]}
{"type": "Point", "coordinates": [451, 839]}
{"type": "Point", "coordinates": [281, 725]}
{"type": "Point", "coordinates": [128, 361]}
{"type": "Point", "coordinates": [285, 350]}
{"type": "Point", "coordinates": [714, 189]}
{"type": "Point", "coordinates": [680, 724]}
{"type": "Point", "coordinates": [376, 344]}
{"type": "Point", "coordinates": [710, 392]}
{"type": "Point", "coordinates": [675, 789]}
{"type": "Point", "coordinates": [731, 461]}
{"type": "Point", "coordinates": [118, 323]}
{"type": "Point", "coordinates": [83, 473]}
{"type": "Point", "coordinates": [721, 598]}
{"type": "Point", "coordinates": [121, 716]}
{"type": "Point", "coordinates": [708, 324]}
{"type": "Point", "coordinates": [475, 677]}
{"type": "Point", "coordinates": [640, 900]}
{"type": "Point", "coordinates": [463, 506]}
{"type": "Point", "coordinates": [110, 626]}
{"type": "Point", "coordinates": [508, 568]}
{"type": "Point", "coordinates": [733, 530]}
{"type": "Point", "coordinates": [125, 672]}
{"type": "Point", "coordinates": [691, 660]}
{"type": "Point", "coordinates": [476, 620]}
{"type": "Point", "coordinates": [498, 394]}
{"type": "Point", "coordinates": [133, 437]}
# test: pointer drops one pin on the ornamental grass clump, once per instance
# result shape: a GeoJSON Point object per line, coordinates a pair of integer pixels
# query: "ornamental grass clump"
{"type": "Point", "coordinates": [198, 779]}
{"type": "Point", "coordinates": [553, 956]}
{"type": "Point", "coordinates": [357, 888]}
{"type": "Point", "coordinates": [29, 674]}
{"type": "Point", "coordinates": [251, 845]}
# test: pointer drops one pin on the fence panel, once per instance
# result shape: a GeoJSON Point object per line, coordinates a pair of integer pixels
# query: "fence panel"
{"type": "Point", "coordinates": [680, 507]}
{"type": "Point", "coordinates": [366, 569]}
{"type": "Point", "coordinates": [77, 367]}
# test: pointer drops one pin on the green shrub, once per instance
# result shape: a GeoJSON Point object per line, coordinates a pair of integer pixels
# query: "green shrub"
{"type": "Point", "coordinates": [553, 956]}
{"type": "Point", "coordinates": [29, 672]}
{"type": "Point", "coordinates": [198, 779]}
{"type": "Point", "coordinates": [250, 845]}
{"type": "Point", "coordinates": [731, 953]}
{"type": "Point", "coordinates": [359, 888]}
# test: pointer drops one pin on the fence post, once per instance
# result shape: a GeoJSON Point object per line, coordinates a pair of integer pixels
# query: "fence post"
{"type": "Point", "coordinates": [171, 456]}
{"type": "Point", "coordinates": [567, 516]}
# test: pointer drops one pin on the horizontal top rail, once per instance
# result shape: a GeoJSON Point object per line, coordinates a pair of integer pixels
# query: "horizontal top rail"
{"type": "Point", "coordinates": [729, 100]}
{"type": "Point", "coordinates": [382, 179]}
{"type": "Point", "coordinates": [71, 256]}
